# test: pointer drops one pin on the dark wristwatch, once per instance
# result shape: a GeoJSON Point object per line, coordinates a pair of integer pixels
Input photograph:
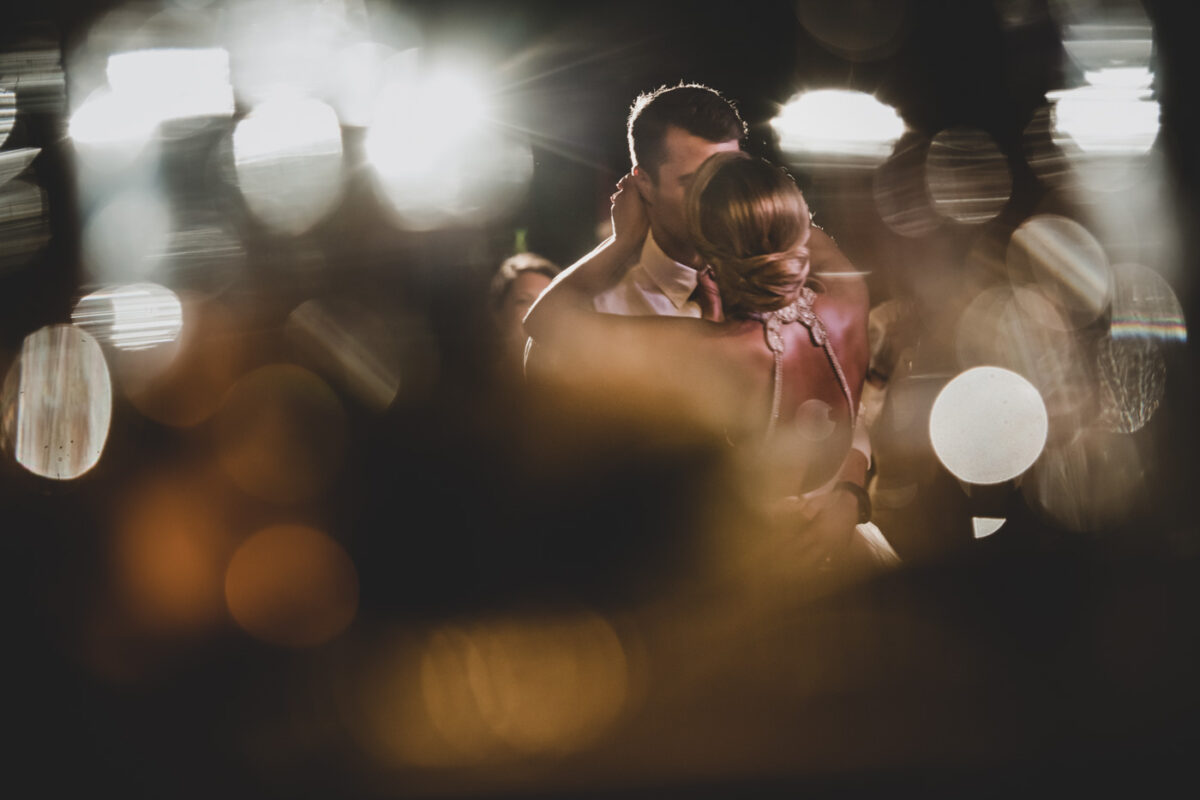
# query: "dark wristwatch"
{"type": "Point", "coordinates": [860, 494]}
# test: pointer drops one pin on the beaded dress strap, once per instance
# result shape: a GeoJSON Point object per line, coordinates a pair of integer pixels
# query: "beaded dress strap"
{"type": "Point", "coordinates": [801, 310]}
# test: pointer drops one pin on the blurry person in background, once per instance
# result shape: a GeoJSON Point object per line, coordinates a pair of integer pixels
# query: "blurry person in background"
{"type": "Point", "coordinates": [778, 372]}
{"type": "Point", "coordinates": [516, 284]}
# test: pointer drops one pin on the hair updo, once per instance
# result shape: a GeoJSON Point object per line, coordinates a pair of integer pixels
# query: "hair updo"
{"type": "Point", "coordinates": [749, 221]}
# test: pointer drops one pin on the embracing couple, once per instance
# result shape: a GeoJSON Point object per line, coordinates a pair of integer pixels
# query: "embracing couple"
{"type": "Point", "coordinates": [716, 283]}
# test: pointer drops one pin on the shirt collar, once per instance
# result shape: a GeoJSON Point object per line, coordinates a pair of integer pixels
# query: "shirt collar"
{"type": "Point", "coordinates": [677, 281]}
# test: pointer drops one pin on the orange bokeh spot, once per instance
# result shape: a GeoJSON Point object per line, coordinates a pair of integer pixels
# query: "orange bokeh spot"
{"type": "Point", "coordinates": [291, 585]}
{"type": "Point", "coordinates": [170, 548]}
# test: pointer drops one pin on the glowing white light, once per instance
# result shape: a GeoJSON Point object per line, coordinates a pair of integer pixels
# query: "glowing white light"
{"type": "Point", "coordinates": [174, 83]}
{"type": "Point", "coordinates": [288, 156]}
{"type": "Point", "coordinates": [283, 49]}
{"type": "Point", "coordinates": [988, 425]}
{"type": "Point", "coordinates": [838, 122]}
{"type": "Point", "coordinates": [106, 118]}
{"type": "Point", "coordinates": [985, 526]}
{"type": "Point", "coordinates": [132, 317]}
{"type": "Point", "coordinates": [57, 403]}
{"type": "Point", "coordinates": [434, 159]}
{"type": "Point", "coordinates": [1106, 119]}
{"type": "Point", "coordinates": [1120, 77]}
{"type": "Point", "coordinates": [125, 239]}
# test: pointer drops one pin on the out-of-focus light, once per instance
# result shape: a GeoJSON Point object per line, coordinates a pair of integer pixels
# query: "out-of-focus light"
{"type": "Point", "coordinates": [288, 157]}
{"type": "Point", "coordinates": [968, 177]}
{"type": "Point", "coordinates": [983, 527]}
{"type": "Point", "coordinates": [125, 239]}
{"type": "Point", "coordinates": [435, 159]}
{"type": "Point", "coordinates": [174, 83]}
{"type": "Point", "coordinates": [901, 193]}
{"type": "Point", "coordinates": [293, 586]}
{"type": "Point", "coordinates": [14, 162]}
{"type": "Point", "coordinates": [1107, 120]}
{"type": "Point", "coordinates": [548, 687]}
{"type": "Point", "coordinates": [1067, 262]}
{"type": "Point", "coordinates": [838, 123]}
{"type": "Point", "coordinates": [111, 120]}
{"type": "Point", "coordinates": [1104, 34]}
{"type": "Point", "coordinates": [1132, 375]}
{"type": "Point", "coordinates": [204, 258]}
{"type": "Point", "coordinates": [282, 49]}
{"type": "Point", "coordinates": [24, 222]}
{"type": "Point", "coordinates": [988, 425]}
{"type": "Point", "coordinates": [170, 552]}
{"type": "Point", "coordinates": [131, 317]}
{"type": "Point", "coordinates": [57, 403]}
{"type": "Point", "coordinates": [8, 113]}
{"type": "Point", "coordinates": [864, 30]}
{"type": "Point", "coordinates": [281, 434]}
{"type": "Point", "coordinates": [1144, 306]}
{"type": "Point", "coordinates": [353, 345]}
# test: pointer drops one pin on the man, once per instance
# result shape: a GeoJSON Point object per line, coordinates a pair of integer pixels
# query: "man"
{"type": "Point", "coordinates": [671, 132]}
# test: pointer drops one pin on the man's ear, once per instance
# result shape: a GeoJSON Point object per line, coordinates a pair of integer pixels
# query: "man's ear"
{"type": "Point", "coordinates": [644, 184]}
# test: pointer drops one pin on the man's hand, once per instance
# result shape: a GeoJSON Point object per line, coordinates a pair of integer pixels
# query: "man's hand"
{"type": "Point", "coordinates": [629, 219]}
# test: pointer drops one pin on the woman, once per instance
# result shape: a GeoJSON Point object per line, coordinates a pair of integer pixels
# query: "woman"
{"type": "Point", "coordinates": [780, 375]}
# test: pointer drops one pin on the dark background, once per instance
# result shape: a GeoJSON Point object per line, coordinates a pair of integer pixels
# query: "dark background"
{"type": "Point", "coordinates": [1078, 652]}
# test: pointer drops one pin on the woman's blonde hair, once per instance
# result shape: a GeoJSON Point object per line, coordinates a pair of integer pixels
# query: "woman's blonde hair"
{"type": "Point", "coordinates": [749, 221]}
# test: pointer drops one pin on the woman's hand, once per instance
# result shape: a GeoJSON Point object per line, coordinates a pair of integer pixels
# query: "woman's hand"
{"type": "Point", "coordinates": [629, 219]}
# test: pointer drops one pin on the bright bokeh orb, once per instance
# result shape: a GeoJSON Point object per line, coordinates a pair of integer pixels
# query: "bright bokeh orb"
{"type": "Point", "coordinates": [131, 317]}
{"type": "Point", "coordinates": [56, 404]}
{"type": "Point", "coordinates": [173, 83]}
{"type": "Point", "coordinates": [288, 161]}
{"type": "Point", "coordinates": [437, 158]}
{"type": "Point", "coordinates": [988, 425]}
{"type": "Point", "coordinates": [837, 122]}
{"type": "Point", "coordinates": [292, 586]}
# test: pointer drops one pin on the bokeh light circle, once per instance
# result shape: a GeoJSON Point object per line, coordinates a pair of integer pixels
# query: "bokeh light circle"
{"type": "Point", "coordinates": [988, 425]}
{"type": "Point", "coordinates": [135, 316]}
{"type": "Point", "coordinates": [56, 404]}
{"type": "Point", "coordinates": [281, 434]}
{"type": "Point", "coordinates": [288, 159]}
{"type": "Point", "coordinates": [1066, 261]}
{"type": "Point", "coordinates": [292, 585]}
{"type": "Point", "coordinates": [968, 177]}
{"type": "Point", "coordinates": [1132, 375]}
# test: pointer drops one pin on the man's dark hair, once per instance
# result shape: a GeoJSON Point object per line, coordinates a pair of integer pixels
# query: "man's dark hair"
{"type": "Point", "coordinates": [697, 109]}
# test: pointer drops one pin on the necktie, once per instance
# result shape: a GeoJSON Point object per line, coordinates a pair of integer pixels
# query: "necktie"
{"type": "Point", "coordinates": [708, 296]}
